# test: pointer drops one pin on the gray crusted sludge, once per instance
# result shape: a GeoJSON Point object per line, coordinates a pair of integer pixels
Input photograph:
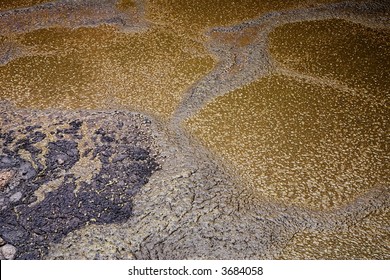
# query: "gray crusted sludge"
{"type": "Point", "coordinates": [31, 224]}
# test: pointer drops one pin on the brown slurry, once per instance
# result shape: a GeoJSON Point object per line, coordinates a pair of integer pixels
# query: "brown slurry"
{"type": "Point", "coordinates": [369, 240]}
{"type": "Point", "coordinates": [91, 68]}
{"type": "Point", "coordinates": [335, 49]}
{"type": "Point", "coordinates": [297, 142]}
{"type": "Point", "coordinates": [268, 145]}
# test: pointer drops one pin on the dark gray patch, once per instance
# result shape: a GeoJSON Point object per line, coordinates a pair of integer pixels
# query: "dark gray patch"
{"type": "Point", "coordinates": [62, 155]}
{"type": "Point", "coordinates": [72, 130]}
{"type": "Point", "coordinates": [27, 171]}
{"type": "Point", "coordinates": [30, 128]}
{"type": "Point", "coordinates": [7, 162]}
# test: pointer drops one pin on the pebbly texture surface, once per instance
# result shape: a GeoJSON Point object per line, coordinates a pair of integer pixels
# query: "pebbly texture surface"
{"type": "Point", "coordinates": [180, 130]}
{"type": "Point", "coordinates": [48, 187]}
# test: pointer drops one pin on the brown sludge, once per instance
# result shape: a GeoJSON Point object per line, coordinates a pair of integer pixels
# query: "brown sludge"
{"type": "Point", "coordinates": [194, 129]}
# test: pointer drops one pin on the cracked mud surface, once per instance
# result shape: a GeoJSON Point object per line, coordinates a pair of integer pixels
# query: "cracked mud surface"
{"type": "Point", "coordinates": [63, 179]}
{"type": "Point", "coordinates": [215, 130]}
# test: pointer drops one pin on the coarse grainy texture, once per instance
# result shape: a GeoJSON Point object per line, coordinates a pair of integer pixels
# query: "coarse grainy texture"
{"type": "Point", "coordinates": [101, 68]}
{"type": "Point", "coordinates": [71, 170]}
{"type": "Point", "coordinates": [298, 142]}
{"type": "Point", "coordinates": [324, 48]}
{"type": "Point", "coordinates": [153, 129]}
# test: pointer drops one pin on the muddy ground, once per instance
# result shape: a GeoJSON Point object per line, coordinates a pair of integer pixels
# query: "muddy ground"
{"type": "Point", "coordinates": [162, 156]}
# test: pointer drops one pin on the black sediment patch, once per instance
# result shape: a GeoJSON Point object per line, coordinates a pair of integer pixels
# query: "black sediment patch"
{"type": "Point", "coordinates": [31, 225]}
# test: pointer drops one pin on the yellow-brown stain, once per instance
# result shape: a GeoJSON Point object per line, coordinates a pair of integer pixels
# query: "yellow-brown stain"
{"type": "Point", "coordinates": [100, 68]}
{"type": "Point", "coordinates": [297, 142]}
{"type": "Point", "coordinates": [336, 49]}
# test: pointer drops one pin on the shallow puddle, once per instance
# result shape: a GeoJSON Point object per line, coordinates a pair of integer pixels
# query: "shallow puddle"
{"type": "Point", "coordinates": [335, 49]}
{"type": "Point", "coordinates": [299, 143]}
{"type": "Point", "coordinates": [366, 241]}
{"type": "Point", "coordinates": [100, 68]}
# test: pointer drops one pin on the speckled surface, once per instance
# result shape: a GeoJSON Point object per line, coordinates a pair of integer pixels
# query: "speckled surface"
{"type": "Point", "coordinates": [195, 130]}
{"type": "Point", "coordinates": [298, 142]}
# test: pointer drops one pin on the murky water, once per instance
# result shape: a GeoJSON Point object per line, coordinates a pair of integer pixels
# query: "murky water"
{"type": "Point", "coordinates": [335, 49]}
{"type": "Point", "coordinates": [91, 68]}
{"type": "Point", "coordinates": [298, 142]}
{"type": "Point", "coordinates": [368, 241]}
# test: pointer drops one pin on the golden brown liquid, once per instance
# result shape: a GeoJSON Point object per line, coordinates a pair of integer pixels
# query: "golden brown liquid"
{"type": "Point", "coordinates": [100, 68]}
{"type": "Point", "coordinates": [335, 49]}
{"type": "Point", "coordinates": [124, 5]}
{"type": "Point", "coordinates": [297, 142]}
{"type": "Point", "coordinates": [370, 240]}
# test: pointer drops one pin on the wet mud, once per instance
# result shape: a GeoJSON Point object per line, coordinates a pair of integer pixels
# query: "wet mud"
{"type": "Point", "coordinates": [194, 130]}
